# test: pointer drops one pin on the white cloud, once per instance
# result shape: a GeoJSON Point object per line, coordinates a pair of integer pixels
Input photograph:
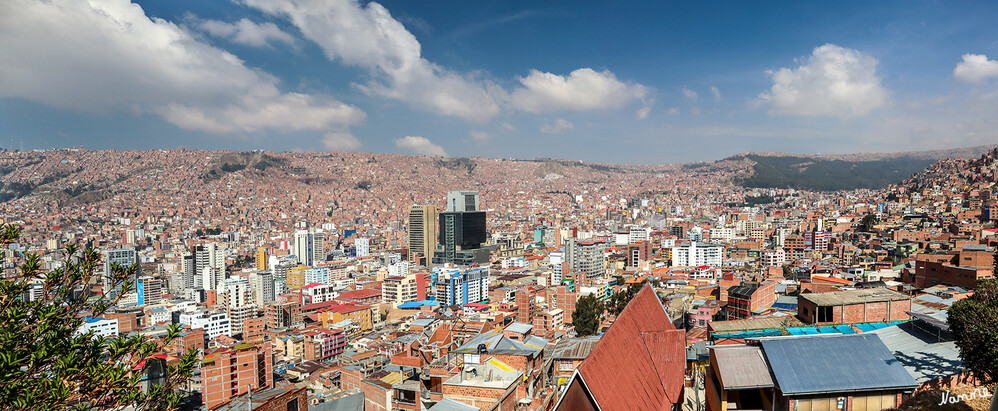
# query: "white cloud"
{"type": "Point", "coordinates": [690, 94]}
{"type": "Point", "coordinates": [508, 127]}
{"type": "Point", "coordinates": [583, 89]}
{"type": "Point", "coordinates": [340, 141]}
{"type": "Point", "coordinates": [832, 81]}
{"type": "Point", "coordinates": [716, 92]}
{"type": "Point", "coordinates": [107, 55]}
{"type": "Point", "coordinates": [673, 110]}
{"type": "Point", "coordinates": [480, 136]}
{"type": "Point", "coordinates": [368, 36]}
{"type": "Point", "coordinates": [245, 32]}
{"type": "Point", "coordinates": [420, 145]}
{"type": "Point", "coordinates": [558, 126]}
{"type": "Point", "coordinates": [975, 68]}
{"type": "Point", "coordinates": [642, 113]}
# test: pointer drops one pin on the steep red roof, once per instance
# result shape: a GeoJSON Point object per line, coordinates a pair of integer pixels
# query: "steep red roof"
{"type": "Point", "coordinates": [640, 361]}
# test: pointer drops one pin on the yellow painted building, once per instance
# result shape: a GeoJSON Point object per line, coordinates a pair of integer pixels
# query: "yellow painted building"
{"type": "Point", "coordinates": [361, 315]}
{"type": "Point", "coordinates": [296, 277]}
{"type": "Point", "coordinates": [261, 259]}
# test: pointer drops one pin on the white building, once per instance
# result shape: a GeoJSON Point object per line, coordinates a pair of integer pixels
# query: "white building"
{"type": "Point", "coordinates": [214, 324]}
{"type": "Point", "coordinates": [363, 246]}
{"type": "Point", "coordinates": [774, 258]}
{"type": "Point", "coordinates": [697, 254]}
{"type": "Point", "coordinates": [401, 289]}
{"type": "Point", "coordinates": [556, 258]}
{"type": "Point", "coordinates": [459, 286]}
{"type": "Point", "coordinates": [637, 234]}
{"type": "Point", "coordinates": [103, 327]}
{"type": "Point", "coordinates": [262, 283]}
{"type": "Point", "coordinates": [318, 293]}
{"type": "Point", "coordinates": [310, 246]}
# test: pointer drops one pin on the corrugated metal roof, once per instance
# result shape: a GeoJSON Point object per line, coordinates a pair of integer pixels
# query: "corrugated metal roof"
{"type": "Point", "coordinates": [742, 366]}
{"type": "Point", "coordinates": [921, 354]}
{"type": "Point", "coordinates": [754, 324]}
{"type": "Point", "coordinates": [833, 363]}
{"type": "Point", "coordinates": [574, 348]}
{"type": "Point", "coordinates": [628, 370]}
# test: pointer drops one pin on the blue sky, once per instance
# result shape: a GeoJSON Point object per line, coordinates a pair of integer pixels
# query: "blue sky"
{"type": "Point", "coordinates": [633, 82]}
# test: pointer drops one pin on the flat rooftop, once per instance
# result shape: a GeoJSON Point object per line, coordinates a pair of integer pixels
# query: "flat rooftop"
{"type": "Point", "coordinates": [873, 295]}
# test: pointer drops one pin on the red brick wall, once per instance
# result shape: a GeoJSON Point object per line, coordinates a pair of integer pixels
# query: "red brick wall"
{"type": "Point", "coordinates": [375, 396]}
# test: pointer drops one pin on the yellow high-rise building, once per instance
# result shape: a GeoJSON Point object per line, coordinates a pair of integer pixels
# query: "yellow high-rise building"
{"type": "Point", "coordinates": [422, 232]}
{"type": "Point", "coordinates": [296, 277]}
{"type": "Point", "coordinates": [261, 259]}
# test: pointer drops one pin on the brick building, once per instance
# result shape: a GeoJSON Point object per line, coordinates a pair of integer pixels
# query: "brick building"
{"type": "Point", "coordinates": [750, 296]}
{"type": "Point", "coordinates": [230, 372]}
{"type": "Point", "coordinates": [855, 306]}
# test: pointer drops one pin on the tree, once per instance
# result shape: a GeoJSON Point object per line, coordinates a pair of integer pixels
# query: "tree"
{"type": "Point", "coordinates": [788, 273]}
{"type": "Point", "coordinates": [588, 315]}
{"type": "Point", "coordinates": [47, 364]}
{"type": "Point", "coordinates": [619, 300]}
{"type": "Point", "coordinates": [867, 223]}
{"type": "Point", "coordinates": [972, 322]}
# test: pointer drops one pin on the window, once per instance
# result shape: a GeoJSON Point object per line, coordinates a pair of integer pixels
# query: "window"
{"type": "Point", "coordinates": [824, 314]}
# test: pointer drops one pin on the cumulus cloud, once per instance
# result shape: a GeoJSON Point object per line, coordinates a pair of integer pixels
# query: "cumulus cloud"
{"type": "Point", "coordinates": [340, 141]}
{"type": "Point", "coordinates": [583, 89]}
{"type": "Point", "coordinates": [244, 32]}
{"type": "Point", "coordinates": [673, 110]}
{"type": "Point", "coordinates": [368, 36]}
{"type": "Point", "coordinates": [975, 68]}
{"type": "Point", "coordinates": [145, 65]}
{"type": "Point", "coordinates": [558, 126]}
{"type": "Point", "coordinates": [420, 145]}
{"type": "Point", "coordinates": [480, 136]}
{"type": "Point", "coordinates": [690, 94]}
{"type": "Point", "coordinates": [716, 93]}
{"type": "Point", "coordinates": [832, 81]}
{"type": "Point", "coordinates": [642, 113]}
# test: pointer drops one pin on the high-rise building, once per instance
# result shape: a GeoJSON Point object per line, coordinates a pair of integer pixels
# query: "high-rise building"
{"type": "Point", "coordinates": [460, 231]}
{"type": "Point", "coordinates": [124, 257]}
{"type": "Point", "coordinates": [188, 268]}
{"type": "Point", "coordinates": [459, 286]}
{"type": "Point", "coordinates": [310, 246]}
{"type": "Point", "coordinates": [148, 290]}
{"type": "Point", "coordinates": [238, 301]}
{"type": "Point", "coordinates": [462, 201]}
{"type": "Point", "coordinates": [403, 289]}
{"type": "Point", "coordinates": [262, 283]}
{"type": "Point", "coordinates": [422, 233]}
{"type": "Point", "coordinates": [586, 256]}
{"type": "Point", "coordinates": [363, 246]}
{"type": "Point", "coordinates": [261, 259]}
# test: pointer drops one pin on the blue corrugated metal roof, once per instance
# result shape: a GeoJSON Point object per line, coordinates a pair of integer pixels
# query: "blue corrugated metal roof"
{"type": "Point", "coordinates": [833, 363]}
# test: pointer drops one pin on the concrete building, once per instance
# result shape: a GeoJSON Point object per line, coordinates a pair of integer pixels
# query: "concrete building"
{"type": "Point", "coordinates": [462, 201]}
{"type": "Point", "coordinates": [422, 233]}
{"type": "Point", "coordinates": [102, 327]}
{"type": "Point", "coordinates": [310, 247]}
{"type": "Point", "coordinates": [459, 286]}
{"type": "Point", "coordinates": [586, 256]}
{"type": "Point", "coordinates": [403, 289]}
{"type": "Point", "coordinates": [697, 254]}
{"type": "Point", "coordinates": [214, 324]}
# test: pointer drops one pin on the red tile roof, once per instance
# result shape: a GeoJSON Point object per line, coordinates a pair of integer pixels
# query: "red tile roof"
{"type": "Point", "coordinates": [640, 362]}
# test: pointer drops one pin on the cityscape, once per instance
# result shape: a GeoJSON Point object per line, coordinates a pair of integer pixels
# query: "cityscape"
{"type": "Point", "coordinates": [251, 206]}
